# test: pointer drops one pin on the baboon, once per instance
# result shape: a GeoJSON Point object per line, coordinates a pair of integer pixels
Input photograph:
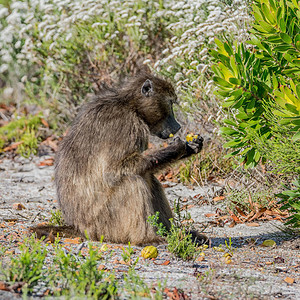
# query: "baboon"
{"type": "Point", "coordinates": [105, 183]}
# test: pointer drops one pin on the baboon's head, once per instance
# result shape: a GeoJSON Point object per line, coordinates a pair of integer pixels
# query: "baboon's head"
{"type": "Point", "coordinates": [155, 106]}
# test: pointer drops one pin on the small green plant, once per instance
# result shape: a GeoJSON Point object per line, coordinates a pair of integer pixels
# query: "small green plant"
{"type": "Point", "coordinates": [178, 237]}
{"type": "Point", "coordinates": [229, 247]}
{"type": "Point", "coordinates": [72, 276]}
{"type": "Point", "coordinates": [135, 285]}
{"type": "Point", "coordinates": [290, 198]}
{"type": "Point", "coordinates": [28, 265]}
{"type": "Point", "coordinates": [56, 218]}
{"type": "Point", "coordinates": [23, 130]}
{"type": "Point", "coordinates": [127, 254]}
{"type": "Point", "coordinates": [29, 143]}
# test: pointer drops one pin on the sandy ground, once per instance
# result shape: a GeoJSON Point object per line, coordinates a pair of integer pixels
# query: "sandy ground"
{"type": "Point", "coordinates": [255, 272]}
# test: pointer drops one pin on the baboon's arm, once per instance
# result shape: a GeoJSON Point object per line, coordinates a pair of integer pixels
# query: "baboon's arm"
{"type": "Point", "coordinates": [140, 164]}
{"type": "Point", "coordinates": [178, 149]}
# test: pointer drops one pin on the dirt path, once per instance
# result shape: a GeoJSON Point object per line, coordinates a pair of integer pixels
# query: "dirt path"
{"type": "Point", "coordinates": [255, 272]}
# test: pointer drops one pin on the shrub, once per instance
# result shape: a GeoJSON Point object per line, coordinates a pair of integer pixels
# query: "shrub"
{"type": "Point", "coordinates": [179, 239]}
{"type": "Point", "coordinates": [290, 198]}
{"type": "Point", "coordinates": [259, 82]}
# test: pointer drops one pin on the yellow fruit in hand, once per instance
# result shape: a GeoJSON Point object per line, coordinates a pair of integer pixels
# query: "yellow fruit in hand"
{"type": "Point", "coordinates": [190, 137]}
{"type": "Point", "coordinates": [149, 252]}
{"type": "Point", "coordinates": [171, 135]}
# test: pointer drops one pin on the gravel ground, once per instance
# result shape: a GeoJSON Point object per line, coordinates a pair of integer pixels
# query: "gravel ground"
{"type": "Point", "coordinates": [255, 272]}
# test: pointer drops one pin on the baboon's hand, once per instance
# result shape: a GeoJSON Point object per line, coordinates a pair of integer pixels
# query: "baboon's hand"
{"type": "Point", "coordinates": [194, 146]}
{"type": "Point", "coordinates": [178, 145]}
{"type": "Point", "coordinates": [177, 142]}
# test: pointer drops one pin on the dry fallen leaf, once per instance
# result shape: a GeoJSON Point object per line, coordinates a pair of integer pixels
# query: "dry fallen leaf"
{"type": "Point", "coordinates": [12, 146]}
{"type": "Point", "coordinates": [73, 241]}
{"type": "Point", "coordinates": [210, 215]}
{"type": "Point", "coordinates": [101, 267]}
{"type": "Point", "coordinates": [219, 198]}
{"type": "Point", "coordinates": [289, 280]}
{"type": "Point", "coordinates": [47, 162]}
{"type": "Point", "coordinates": [4, 286]}
{"type": "Point", "coordinates": [18, 206]}
{"type": "Point", "coordinates": [252, 224]}
{"type": "Point", "coordinates": [45, 123]}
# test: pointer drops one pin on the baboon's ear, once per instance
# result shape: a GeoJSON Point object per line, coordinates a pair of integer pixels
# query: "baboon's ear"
{"type": "Point", "coordinates": [147, 88]}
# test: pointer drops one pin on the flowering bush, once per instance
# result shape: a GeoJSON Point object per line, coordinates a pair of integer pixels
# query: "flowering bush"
{"type": "Point", "coordinates": [186, 60]}
{"type": "Point", "coordinates": [61, 50]}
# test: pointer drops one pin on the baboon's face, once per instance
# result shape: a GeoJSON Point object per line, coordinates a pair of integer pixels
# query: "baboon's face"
{"type": "Point", "coordinates": [158, 97]}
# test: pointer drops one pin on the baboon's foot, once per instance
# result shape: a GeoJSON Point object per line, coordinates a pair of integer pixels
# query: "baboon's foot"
{"type": "Point", "coordinates": [199, 238]}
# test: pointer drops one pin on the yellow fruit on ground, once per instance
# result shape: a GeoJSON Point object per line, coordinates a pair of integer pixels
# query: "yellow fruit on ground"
{"type": "Point", "coordinates": [149, 252]}
{"type": "Point", "coordinates": [269, 243]}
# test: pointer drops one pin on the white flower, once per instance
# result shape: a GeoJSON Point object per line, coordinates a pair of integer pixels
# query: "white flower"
{"type": "Point", "coordinates": [3, 68]}
{"type": "Point", "coordinates": [178, 76]}
{"type": "Point", "coordinates": [69, 36]}
{"type": "Point", "coordinates": [169, 69]}
{"type": "Point", "coordinates": [200, 67]}
{"type": "Point", "coordinates": [3, 12]}
{"type": "Point", "coordinates": [18, 44]}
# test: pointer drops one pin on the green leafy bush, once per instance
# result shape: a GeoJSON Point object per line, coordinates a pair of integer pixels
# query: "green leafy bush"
{"type": "Point", "coordinates": [290, 198]}
{"type": "Point", "coordinates": [260, 81]}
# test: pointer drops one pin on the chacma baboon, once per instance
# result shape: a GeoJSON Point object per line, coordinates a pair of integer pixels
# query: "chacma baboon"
{"type": "Point", "coordinates": [105, 182]}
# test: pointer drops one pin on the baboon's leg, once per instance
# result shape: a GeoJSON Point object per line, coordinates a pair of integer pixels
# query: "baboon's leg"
{"type": "Point", "coordinates": [124, 217]}
{"type": "Point", "coordinates": [161, 203]}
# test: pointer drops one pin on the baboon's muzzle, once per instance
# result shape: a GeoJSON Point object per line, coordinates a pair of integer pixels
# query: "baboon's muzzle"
{"type": "Point", "coordinates": [170, 126]}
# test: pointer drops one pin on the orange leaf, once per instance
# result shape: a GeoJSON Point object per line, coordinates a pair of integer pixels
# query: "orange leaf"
{"type": "Point", "coordinates": [210, 215]}
{"type": "Point", "coordinates": [234, 217]}
{"type": "Point", "coordinates": [289, 280]}
{"type": "Point", "coordinates": [18, 206]}
{"type": "Point", "coordinates": [73, 241]}
{"type": "Point", "coordinates": [219, 198]}
{"type": "Point", "coordinates": [252, 224]}
{"type": "Point", "coordinates": [101, 267]}
{"type": "Point", "coordinates": [12, 146]}
{"type": "Point", "coordinates": [4, 286]}
{"type": "Point", "coordinates": [167, 262]}
{"type": "Point", "coordinates": [258, 214]}
{"type": "Point", "coordinates": [47, 162]}
{"type": "Point", "coordinates": [240, 211]}
{"type": "Point", "coordinates": [45, 123]}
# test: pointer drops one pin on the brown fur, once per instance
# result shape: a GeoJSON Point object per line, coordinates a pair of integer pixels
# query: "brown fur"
{"type": "Point", "coordinates": [105, 183]}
